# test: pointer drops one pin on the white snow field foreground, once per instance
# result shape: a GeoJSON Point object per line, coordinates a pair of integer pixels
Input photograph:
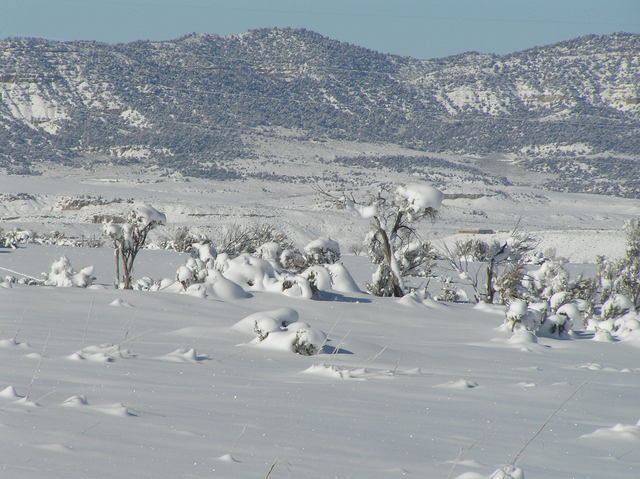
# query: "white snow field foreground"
{"type": "Point", "coordinates": [104, 383]}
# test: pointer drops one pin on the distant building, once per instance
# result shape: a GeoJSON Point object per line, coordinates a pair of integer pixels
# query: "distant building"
{"type": "Point", "coordinates": [471, 231]}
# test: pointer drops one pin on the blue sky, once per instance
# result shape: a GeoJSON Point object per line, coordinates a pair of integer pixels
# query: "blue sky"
{"type": "Point", "coordinates": [418, 28]}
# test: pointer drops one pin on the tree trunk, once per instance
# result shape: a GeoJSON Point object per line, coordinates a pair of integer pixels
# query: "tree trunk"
{"type": "Point", "coordinates": [116, 253]}
{"type": "Point", "coordinates": [388, 259]}
{"type": "Point", "coordinates": [490, 290]}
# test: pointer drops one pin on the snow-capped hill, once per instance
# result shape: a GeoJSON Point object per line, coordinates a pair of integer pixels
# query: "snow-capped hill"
{"type": "Point", "coordinates": [588, 72]}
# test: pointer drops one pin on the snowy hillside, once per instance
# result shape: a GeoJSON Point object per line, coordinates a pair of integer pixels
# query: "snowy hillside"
{"type": "Point", "coordinates": [101, 383]}
{"type": "Point", "coordinates": [76, 202]}
{"type": "Point", "coordinates": [204, 104]}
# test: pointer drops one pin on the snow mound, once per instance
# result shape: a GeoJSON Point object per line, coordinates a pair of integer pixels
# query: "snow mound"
{"type": "Point", "coordinates": [149, 215]}
{"type": "Point", "coordinates": [343, 282]}
{"type": "Point", "coordinates": [508, 472]}
{"type": "Point", "coordinates": [298, 337]}
{"type": "Point", "coordinates": [280, 329]}
{"type": "Point", "coordinates": [332, 277]}
{"type": "Point", "coordinates": [25, 401]}
{"type": "Point", "coordinates": [104, 353]}
{"type": "Point", "coordinates": [420, 196]}
{"type": "Point", "coordinates": [115, 409]}
{"type": "Point", "coordinates": [603, 336]}
{"type": "Point", "coordinates": [633, 338]}
{"type": "Point", "coordinates": [10, 393]}
{"type": "Point", "coordinates": [75, 401]}
{"type": "Point", "coordinates": [223, 288]}
{"type": "Point", "coordinates": [489, 308]}
{"type": "Point", "coordinates": [94, 357]}
{"type": "Point", "coordinates": [13, 343]}
{"type": "Point", "coordinates": [330, 371]}
{"type": "Point", "coordinates": [459, 384]}
{"type": "Point", "coordinates": [260, 275]}
{"type": "Point", "coordinates": [471, 475]}
{"type": "Point", "coordinates": [120, 303]}
{"type": "Point", "coordinates": [228, 458]}
{"type": "Point", "coordinates": [267, 321]}
{"type": "Point", "coordinates": [619, 432]}
{"type": "Point", "coordinates": [55, 447]}
{"type": "Point", "coordinates": [522, 336]}
{"type": "Point", "coordinates": [415, 299]}
{"type": "Point", "coordinates": [184, 355]}
{"type": "Point", "coordinates": [62, 275]}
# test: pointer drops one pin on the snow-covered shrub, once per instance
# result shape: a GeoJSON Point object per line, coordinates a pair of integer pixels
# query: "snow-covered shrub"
{"type": "Point", "coordinates": [239, 239]}
{"type": "Point", "coordinates": [617, 305]}
{"type": "Point", "coordinates": [509, 255]}
{"type": "Point", "coordinates": [330, 277]}
{"type": "Point", "coordinates": [280, 329]}
{"type": "Point", "coordinates": [322, 251]}
{"type": "Point", "coordinates": [550, 278]}
{"type": "Point", "coordinates": [303, 343]}
{"type": "Point", "coordinates": [555, 326]}
{"type": "Point", "coordinates": [508, 472]}
{"type": "Point", "coordinates": [558, 300]}
{"type": "Point", "coordinates": [627, 281]}
{"type": "Point", "coordinates": [182, 240]}
{"type": "Point", "coordinates": [206, 252]}
{"type": "Point", "coordinates": [471, 250]}
{"type": "Point", "coordinates": [508, 286]}
{"type": "Point", "coordinates": [62, 275]}
{"type": "Point", "coordinates": [520, 316]}
{"type": "Point", "coordinates": [605, 275]}
{"type": "Point", "coordinates": [292, 259]}
{"type": "Point", "coordinates": [129, 238]}
{"type": "Point", "coordinates": [448, 292]}
{"type": "Point", "coordinates": [270, 251]}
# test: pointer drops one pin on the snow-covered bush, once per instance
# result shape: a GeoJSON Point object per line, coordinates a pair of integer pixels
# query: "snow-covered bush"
{"type": "Point", "coordinates": [62, 275]}
{"type": "Point", "coordinates": [627, 281]}
{"type": "Point", "coordinates": [617, 305]}
{"type": "Point", "coordinates": [520, 316]}
{"type": "Point", "coordinates": [504, 275]}
{"type": "Point", "coordinates": [280, 329]}
{"type": "Point", "coordinates": [393, 243]}
{"type": "Point", "coordinates": [129, 238]}
{"type": "Point", "coordinates": [182, 240]}
{"type": "Point", "coordinates": [471, 250]}
{"type": "Point", "coordinates": [448, 292]}
{"type": "Point", "coordinates": [322, 251]}
{"type": "Point", "coordinates": [239, 239]}
{"type": "Point", "coordinates": [205, 271]}
{"type": "Point", "coordinates": [508, 257]}
{"type": "Point", "coordinates": [550, 278]}
{"type": "Point", "coordinates": [508, 285]}
{"type": "Point", "coordinates": [555, 326]}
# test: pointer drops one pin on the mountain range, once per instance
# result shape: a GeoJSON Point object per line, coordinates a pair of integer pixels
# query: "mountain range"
{"type": "Point", "coordinates": [196, 104]}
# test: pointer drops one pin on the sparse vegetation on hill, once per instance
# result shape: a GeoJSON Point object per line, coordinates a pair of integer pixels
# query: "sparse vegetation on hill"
{"type": "Point", "coordinates": [194, 104]}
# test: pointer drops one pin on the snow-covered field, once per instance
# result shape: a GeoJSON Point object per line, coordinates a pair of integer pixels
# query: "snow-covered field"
{"type": "Point", "coordinates": [110, 383]}
{"type": "Point", "coordinates": [577, 226]}
{"type": "Point", "coordinates": [102, 383]}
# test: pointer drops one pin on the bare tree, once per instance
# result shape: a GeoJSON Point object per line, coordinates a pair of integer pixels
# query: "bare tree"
{"type": "Point", "coordinates": [502, 262]}
{"type": "Point", "coordinates": [129, 238]}
{"type": "Point", "coordinates": [393, 243]}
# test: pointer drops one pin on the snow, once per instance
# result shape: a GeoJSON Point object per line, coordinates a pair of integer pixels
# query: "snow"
{"type": "Point", "coordinates": [420, 196]}
{"type": "Point", "coordinates": [150, 215]}
{"type": "Point", "coordinates": [169, 387]}
{"type": "Point", "coordinates": [407, 387]}
{"type": "Point", "coordinates": [322, 243]}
